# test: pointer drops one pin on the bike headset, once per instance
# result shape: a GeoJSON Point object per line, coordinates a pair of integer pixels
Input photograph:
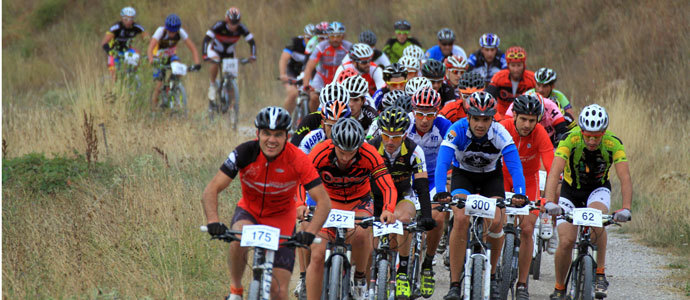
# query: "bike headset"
{"type": "Point", "coordinates": [394, 119]}
{"type": "Point", "coordinates": [528, 105]}
{"type": "Point", "coordinates": [480, 104]}
{"type": "Point", "coordinates": [409, 62]}
{"type": "Point", "coordinates": [446, 35]}
{"type": "Point", "coordinates": [394, 70]}
{"type": "Point", "coordinates": [414, 51]}
{"type": "Point", "coordinates": [593, 118]}
{"type": "Point", "coordinates": [128, 12]}
{"type": "Point", "coordinates": [347, 134]}
{"type": "Point", "coordinates": [361, 52]}
{"type": "Point", "coordinates": [334, 110]}
{"type": "Point", "coordinates": [390, 98]}
{"type": "Point", "coordinates": [489, 40]}
{"type": "Point", "coordinates": [433, 69]}
{"type": "Point", "coordinates": [334, 92]}
{"type": "Point", "coordinates": [273, 118]}
{"type": "Point", "coordinates": [173, 23]}
{"type": "Point", "coordinates": [545, 76]}
{"type": "Point", "coordinates": [357, 86]}
{"type": "Point", "coordinates": [415, 84]}
{"type": "Point", "coordinates": [426, 98]}
{"type": "Point", "coordinates": [368, 37]}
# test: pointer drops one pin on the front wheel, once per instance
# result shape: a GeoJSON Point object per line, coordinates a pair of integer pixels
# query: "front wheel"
{"type": "Point", "coordinates": [335, 278]}
{"type": "Point", "coordinates": [536, 261]}
{"type": "Point", "coordinates": [382, 280]}
{"type": "Point", "coordinates": [506, 265]}
{"type": "Point", "coordinates": [178, 100]}
{"type": "Point", "coordinates": [477, 278]}
{"type": "Point", "coordinates": [584, 279]}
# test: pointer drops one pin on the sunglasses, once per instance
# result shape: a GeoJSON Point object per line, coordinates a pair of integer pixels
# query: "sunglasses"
{"type": "Point", "coordinates": [363, 61]}
{"type": "Point", "coordinates": [425, 115]}
{"type": "Point", "coordinates": [456, 71]}
{"type": "Point", "coordinates": [396, 84]}
{"type": "Point", "coordinates": [328, 125]}
{"type": "Point", "coordinates": [336, 36]}
{"type": "Point", "coordinates": [446, 43]}
{"type": "Point", "coordinates": [394, 137]}
{"type": "Point", "coordinates": [592, 136]}
{"type": "Point", "coordinates": [402, 32]}
{"type": "Point", "coordinates": [128, 18]}
{"type": "Point", "coordinates": [438, 80]}
{"type": "Point", "coordinates": [516, 55]}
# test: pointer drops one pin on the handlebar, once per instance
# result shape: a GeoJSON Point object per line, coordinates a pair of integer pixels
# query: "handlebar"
{"type": "Point", "coordinates": [606, 220]}
{"type": "Point", "coordinates": [231, 236]}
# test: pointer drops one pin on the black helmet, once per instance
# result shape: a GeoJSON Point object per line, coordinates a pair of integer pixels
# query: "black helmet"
{"type": "Point", "coordinates": [433, 69]}
{"type": "Point", "coordinates": [402, 25]}
{"type": "Point", "coordinates": [446, 34]}
{"type": "Point", "coordinates": [528, 105]}
{"type": "Point", "coordinates": [347, 134]}
{"type": "Point", "coordinates": [368, 37]}
{"type": "Point", "coordinates": [404, 102]}
{"type": "Point", "coordinates": [394, 70]}
{"type": "Point", "coordinates": [390, 98]}
{"type": "Point", "coordinates": [471, 80]}
{"type": "Point", "coordinates": [274, 118]}
{"type": "Point", "coordinates": [394, 119]}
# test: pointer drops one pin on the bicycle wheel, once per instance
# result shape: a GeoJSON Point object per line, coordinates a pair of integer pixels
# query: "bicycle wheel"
{"type": "Point", "coordinates": [477, 278]}
{"type": "Point", "coordinates": [382, 280]}
{"type": "Point", "coordinates": [235, 96]}
{"type": "Point", "coordinates": [584, 286]}
{"type": "Point", "coordinates": [335, 278]}
{"type": "Point", "coordinates": [179, 99]}
{"type": "Point", "coordinates": [536, 261]}
{"type": "Point", "coordinates": [506, 270]}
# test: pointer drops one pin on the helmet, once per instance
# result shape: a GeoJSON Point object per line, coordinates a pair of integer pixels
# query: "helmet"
{"type": "Point", "coordinates": [593, 118]}
{"type": "Point", "coordinates": [446, 34]}
{"type": "Point", "coordinates": [413, 51]}
{"type": "Point", "coordinates": [528, 105]}
{"type": "Point", "coordinates": [345, 74]}
{"type": "Point", "coordinates": [357, 86]}
{"type": "Point", "coordinates": [128, 12]}
{"type": "Point", "coordinates": [173, 23]}
{"type": "Point", "coordinates": [426, 98]}
{"type": "Point", "coordinates": [480, 104]}
{"type": "Point", "coordinates": [347, 134]}
{"type": "Point", "coordinates": [471, 80]}
{"type": "Point", "coordinates": [489, 40]}
{"type": "Point", "coordinates": [310, 30]}
{"type": "Point", "coordinates": [394, 70]}
{"type": "Point", "coordinates": [233, 14]}
{"type": "Point", "coordinates": [361, 52]}
{"type": "Point", "coordinates": [455, 62]}
{"type": "Point", "coordinates": [409, 62]}
{"type": "Point", "coordinates": [274, 118]}
{"type": "Point", "coordinates": [545, 76]}
{"type": "Point", "coordinates": [433, 69]}
{"type": "Point", "coordinates": [334, 92]}
{"type": "Point", "coordinates": [334, 110]}
{"type": "Point", "coordinates": [336, 28]}
{"type": "Point", "coordinates": [322, 27]}
{"type": "Point", "coordinates": [404, 102]}
{"type": "Point", "coordinates": [390, 98]}
{"type": "Point", "coordinates": [415, 84]}
{"type": "Point", "coordinates": [394, 119]}
{"type": "Point", "coordinates": [516, 54]}
{"type": "Point", "coordinates": [402, 25]}
{"type": "Point", "coordinates": [368, 37]}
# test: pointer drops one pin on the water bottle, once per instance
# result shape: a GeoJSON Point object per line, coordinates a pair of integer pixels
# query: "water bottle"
{"type": "Point", "coordinates": [546, 231]}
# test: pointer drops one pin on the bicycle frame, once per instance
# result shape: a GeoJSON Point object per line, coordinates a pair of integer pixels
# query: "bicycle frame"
{"type": "Point", "coordinates": [477, 248]}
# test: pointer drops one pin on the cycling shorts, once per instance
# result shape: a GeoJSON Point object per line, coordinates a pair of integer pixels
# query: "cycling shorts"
{"type": "Point", "coordinates": [486, 184]}
{"type": "Point", "coordinates": [532, 186]}
{"type": "Point", "coordinates": [408, 196]}
{"type": "Point", "coordinates": [285, 256]}
{"type": "Point", "coordinates": [364, 206]}
{"type": "Point", "coordinates": [572, 198]}
{"type": "Point", "coordinates": [114, 60]}
{"type": "Point", "coordinates": [215, 56]}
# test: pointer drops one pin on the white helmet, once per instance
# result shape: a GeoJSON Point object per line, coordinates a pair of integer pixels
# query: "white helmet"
{"type": "Point", "coordinates": [360, 52]}
{"type": "Point", "coordinates": [415, 84]}
{"type": "Point", "coordinates": [414, 51]}
{"type": "Point", "coordinates": [334, 92]}
{"type": "Point", "coordinates": [357, 86]}
{"type": "Point", "coordinates": [455, 62]}
{"type": "Point", "coordinates": [593, 118]}
{"type": "Point", "coordinates": [409, 62]}
{"type": "Point", "coordinates": [128, 12]}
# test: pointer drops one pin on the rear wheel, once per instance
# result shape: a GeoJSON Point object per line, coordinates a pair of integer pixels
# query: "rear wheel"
{"type": "Point", "coordinates": [536, 260]}
{"type": "Point", "coordinates": [506, 265]}
{"type": "Point", "coordinates": [477, 278]}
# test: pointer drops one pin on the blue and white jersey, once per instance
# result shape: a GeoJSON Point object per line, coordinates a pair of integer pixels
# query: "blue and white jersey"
{"type": "Point", "coordinates": [312, 139]}
{"type": "Point", "coordinates": [430, 142]}
{"type": "Point", "coordinates": [436, 54]}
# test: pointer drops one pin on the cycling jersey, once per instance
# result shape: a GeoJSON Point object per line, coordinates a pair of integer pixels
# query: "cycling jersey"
{"type": "Point", "coordinates": [312, 139]}
{"type": "Point", "coordinates": [477, 64]}
{"type": "Point", "coordinates": [311, 45]}
{"type": "Point", "coordinates": [353, 183]}
{"type": "Point", "coordinates": [430, 143]}
{"type": "Point", "coordinates": [374, 75]}
{"type": "Point", "coordinates": [505, 91]}
{"type": "Point", "coordinates": [550, 120]}
{"type": "Point", "coordinates": [122, 35]}
{"type": "Point", "coordinates": [447, 93]}
{"type": "Point", "coordinates": [478, 155]}
{"type": "Point", "coordinates": [394, 49]}
{"type": "Point", "coordinates": [584, 168]}
{"type": "Point", "coordinates": [436, 54]}
{"type": "Point", "coordinates": [269, 187]}
{"type": "Point", "coordinates": [559, 98]}
{"type": "Point", "coordinates": [329, 59]}
{"type": "Point", "coordinates": [298, 56]}
{"type": "Point", "coordinates": [310, 122]}
{"type": "Point", "coordinates": [167, 43]}
{"type": "Point", "coordinates": [221, 40]}
{"type": "Point", "coordinates": [379, 59]}
{"type": "Point", "coordinates": [453, 111]}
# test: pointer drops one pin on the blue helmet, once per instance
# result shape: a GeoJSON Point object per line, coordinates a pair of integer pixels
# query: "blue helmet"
{"type": "Point", "coordinates": [336, 28]}
{"type": "Point", "coordinates": [173, 23]}
{"type": "Point", "coordinates": [489, 40]}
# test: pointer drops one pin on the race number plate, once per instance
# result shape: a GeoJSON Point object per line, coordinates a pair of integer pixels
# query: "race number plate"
{"type": "Point", "coordinates": [261, 236]}
{"type": "Point", "coordinates": [178, 68]}
{"type": "Point", "coordinates": [340, 219]}
{"type": "Point", "coordinates": [132, 59]}
{"type": "Point", "coordinates": [542, 180]}
{"type": "Point", "coordinates": [480, 206]}
{"type": "Point", "coordinates": [587, 217]}
{"type": "Point", "coordinates": [380, 229]}
{"type": "Point", "coordinates": [230, 65]}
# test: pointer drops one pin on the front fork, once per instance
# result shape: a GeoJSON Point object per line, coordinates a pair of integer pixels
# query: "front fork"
{"type": "Point", "coordinates": [468, 273]}
{"type": "Point", "coordinates": [263, 271]}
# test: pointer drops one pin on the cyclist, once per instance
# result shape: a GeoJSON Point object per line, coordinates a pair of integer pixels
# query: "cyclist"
{"type": "Point", "coordinates": [118, 38]}
{"type": "Point", "coordinates": [291, 64]}
{"type": "Point", "coordinates": [391, 99]}
{"type": "Point", "coordinates": [358, 89]}
{"type": "Point", "coordinates": [552, 120]}
{"type": "Point", "coordinates": [435, 71]}
{"type": "Point", "coordinates": [394, 47]}
{"type": "Point", "coordinates": [276, 167]}
{"type": "Point", "coordinates": [534, 147]}
{"type": "Point", "coordinates": [394, 76]}
{"type": "Point", "coordinates": [475, 145]}
{"type": "Point", "coordinates": [318, 37]}
{"type": "Point", "coordinates": [328, 55]}
{"type": "Point", "coordinates": [360, 61]}
{"type": "Point", "coordinates": [546, 80]}
{"type": "Point", "coordinates": [347, 166]}
{"type": "Point", "coordinates": [411, 64]}
{"type": "Point", "coordinates": [164, 43]}
{"type": "Point", "coordinates": [585, 157]}
{"type": "Point", "coordinates": [488, 60]}
{"type": "Point", "coordinates": [369, 37]}
{"type": "Point", "coordinates": [332, 92]}
{"type": "Point", "coordinates": [445, 47]}
{"type": "Point", "coordinates": [456, 67]}
{"type": "Point", "coordinates": [512, 82]}
{"type": "Point", "coordinates": [428, 131]}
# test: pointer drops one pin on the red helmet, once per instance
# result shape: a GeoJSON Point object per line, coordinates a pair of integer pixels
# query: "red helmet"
{"type": "Point", "coordinates": [345, 74]}
{"type": "Point", "coordinates": [426, 98]}
{"type": "Point", "coordinates": [233, 14]}
{"type": "Point", "coordinates": [480, 104]}
{"type": "Point", "coordinates": [516, 54]}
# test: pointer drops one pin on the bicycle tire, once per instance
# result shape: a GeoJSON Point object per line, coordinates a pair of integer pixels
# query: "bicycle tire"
{"type": "Point", "coordinates": [414, 268]}
{"type": "Point", "coordinates": [382, 279]}
{"type": "Point", "coordinates": [335, 278]}
{"type": "Point", "coordinates": [254, 290]}
{"type": "Point", "coordinates": [179, 100]}
{"type": "Point", "coordinates": [477, 278]}
{"type": "Point", "coordinates": [536, 261]}
{"type": "Point", "coordinates": [584, 288]}
{"type": "Point", "coordinates": [506, 270]}
{"type": "Point", "coordinates": [234, 118]}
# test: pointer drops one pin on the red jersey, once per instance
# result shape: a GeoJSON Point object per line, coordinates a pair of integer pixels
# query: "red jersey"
{"type": "Point", "coordinates": [269, 188]}
{"type": "Point", "coordinates": [502, 88]}
{"type": "Point", "coordinates": [453, 111]}
{"type": "Point", "coordinates": [352, 184]}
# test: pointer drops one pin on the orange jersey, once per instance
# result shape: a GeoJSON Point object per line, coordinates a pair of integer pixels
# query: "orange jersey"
{"type": "Point", "coordinates": [352, 184]}
{"type": "Point", "coordinates": [453, 111]}
{"type": "Point", "coordinates": [533, 149]}
{"type": "Point", "coordinates": [502, 88]}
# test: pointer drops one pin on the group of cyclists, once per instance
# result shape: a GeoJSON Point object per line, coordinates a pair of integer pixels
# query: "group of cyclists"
{"type": "Point", "coordinates": [392, 131]}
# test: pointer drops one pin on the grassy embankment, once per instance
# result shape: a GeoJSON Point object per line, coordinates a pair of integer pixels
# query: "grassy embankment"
{"type": "Point", "coordinates": [128, 225]}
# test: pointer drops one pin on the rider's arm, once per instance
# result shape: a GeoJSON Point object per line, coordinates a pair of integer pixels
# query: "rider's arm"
{"type": "Point", "coordinates": [106, 40]}
{"type": "Point", "coordinates": [445, 155]}
{"type": "Point", "coordinates": [252, 46]}
{"type": "Point", "coordinates": [511, 157]}
{"type": "Point", "coordinates": [149, 51]}
{"type": "Point", "coordinates": [323, 207]}
{"type": "Point", "coordinates": [282, 64]}
{"type": "Point", "coordinates": [545, 147]}
{"type": "Point", "coordinates": [378, 78]}
{"type": "Point", "coordinates": [552, 179]}
{"type": "Point", "coordinates": [421, 181]}
{"type": "Point", "coordinates": [192, 48]}
{"type": "Point", "coordinates": [623, 172]}
{"type": "Point", "coordinates": [311, 65]}
{"type": "Point", "coordinates": [383, 60]}
{"type": "Point", "coordinates": [204, 45]}
{"type": "Point", "coordinates": [380, 175]}
{"type": "Point", "coordinates": [209, 198]}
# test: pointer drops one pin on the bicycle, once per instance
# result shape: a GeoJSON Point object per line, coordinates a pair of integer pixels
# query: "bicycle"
{"type": "Point", "coordinates": [228, 94]}
{"type": "Point", "coordinates": [173, 94]}
{"type": "Point", "coordinates": [582, 269]}
{"type": "Point", "coordinates": [126, 70]}
{"type": "Point", "coordinates": [265, 245]}
{"type": "Point", "coordinates": [414, 265]}
{"type": "Point", "coordinates": [542, 234]}
{"type": "Point", "coordinates": [382, 279]}
{"type": "Point", "coordinates": [302, 106]}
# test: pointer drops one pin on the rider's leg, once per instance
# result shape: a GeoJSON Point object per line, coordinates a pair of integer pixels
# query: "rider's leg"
{"type": "Point", "coordinates": [361, 241]}
{"type": "Point", "coordinates": [495, 237]}
{"type": "Point", "coordinates": [280, 283]}
{"type": "Point", "coordinates": [315, 268]}
{"type": "Point", "coordinates": [156, 93]}
{"type": "Point", "coordinates": [404, 212]}
{"type": "Point", "coordinates": [566, 234]}
{"type": "Point", "coordinates": [237, 256]}
{"type": "Point", "coordinates": [303, 254]}
{"type": "Point", "coordinates": [600, 199]}
{"type": "Point", "coordinates": [526, 246]}
{"type": "Point", "coordinates": [290, 98]}
{"type": "Point", "coordinates": [434, 236]}
{"type": "Point", "coordinates": [313, 101]}
{"type": "Point", "coordinates": [457, 242]}
{"type": "Point", "coordinates": [316, 84]}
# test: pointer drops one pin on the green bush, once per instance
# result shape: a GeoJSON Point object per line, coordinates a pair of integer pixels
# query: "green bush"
{"type": "Point", "coordinates": [48, 12]}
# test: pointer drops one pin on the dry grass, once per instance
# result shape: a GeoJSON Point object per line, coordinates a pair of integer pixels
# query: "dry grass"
{"type": "Point", "coordinates": [136, 234]}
